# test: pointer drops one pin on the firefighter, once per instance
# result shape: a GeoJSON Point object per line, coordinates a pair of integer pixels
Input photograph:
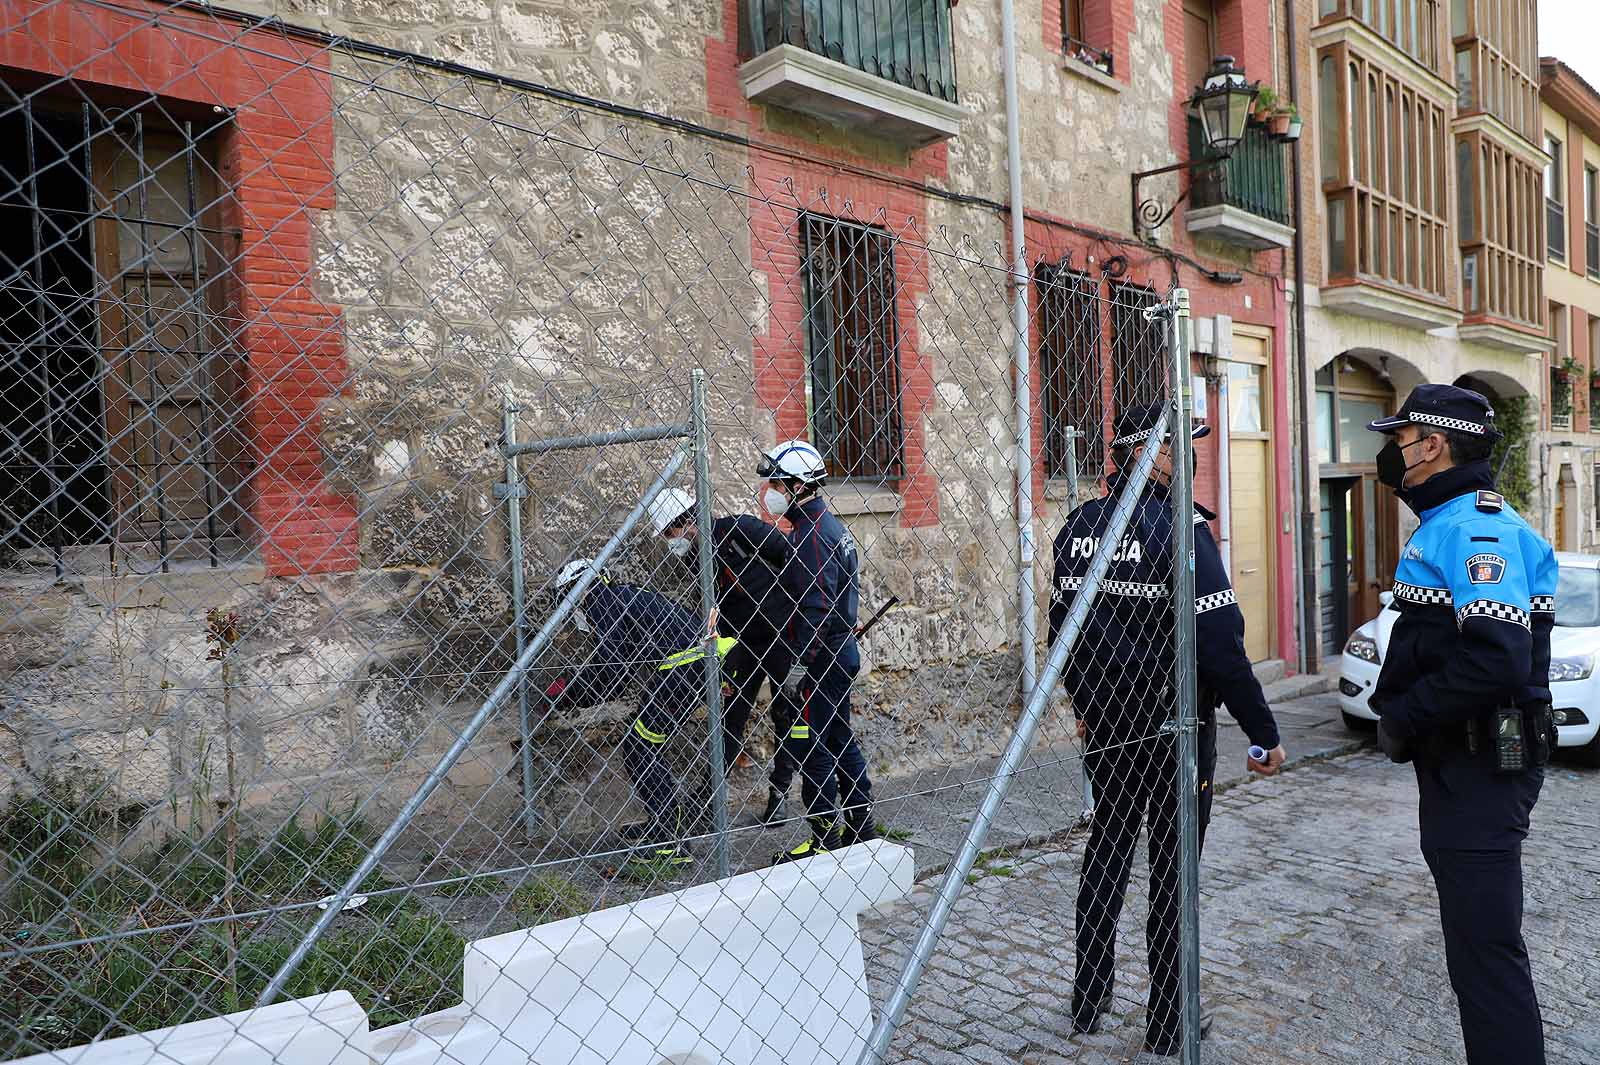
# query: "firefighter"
{"type": "Point", "coordinates": [1120, 679]}
{"type": "Point", "coordinates": [833, 772]}
{"type": "Point", "coordinates": [754, 566]}
{"type": "Point", "coordinates": [630, 625]}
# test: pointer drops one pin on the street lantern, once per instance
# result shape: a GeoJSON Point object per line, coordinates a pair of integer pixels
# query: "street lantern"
{"type": "Point", "coordinates": [1222, 104]}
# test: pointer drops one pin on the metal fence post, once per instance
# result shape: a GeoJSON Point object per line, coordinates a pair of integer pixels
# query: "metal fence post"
{"type": "Point", "coordinates": [708, 600]}
{"type": "Point", "coordinates": [514, 494]}
{"type": "Point", "coordinates": [1185, 717]}
{"type": "Point", "coordinates": [1072, 434]}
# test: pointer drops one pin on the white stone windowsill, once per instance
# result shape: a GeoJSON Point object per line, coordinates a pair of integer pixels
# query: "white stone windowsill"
{"type": "Point", "coordinates": [1093, 75]}
{"type": "Point", "coordinates": [866, 498]}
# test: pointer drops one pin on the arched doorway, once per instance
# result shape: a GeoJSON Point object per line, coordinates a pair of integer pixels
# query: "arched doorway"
{"type": "Point", "coordinates": [1358, 519]}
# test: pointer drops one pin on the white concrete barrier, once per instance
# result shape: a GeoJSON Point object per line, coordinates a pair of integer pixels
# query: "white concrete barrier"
{"type": "Point", "coordinates": [764, 968]}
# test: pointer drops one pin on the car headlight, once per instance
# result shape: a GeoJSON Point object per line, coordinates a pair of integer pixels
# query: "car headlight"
{"type": "Point", "coordinates": [1572, 667]}
{"type": "Point", "coordinates": [1366, 649]}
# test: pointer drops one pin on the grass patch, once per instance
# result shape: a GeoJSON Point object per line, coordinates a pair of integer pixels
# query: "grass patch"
{"type": "Point", "coordinates": [398, 960]}
{"type": "Point", "coordinates": [897, 835]}
{"type": "Point", "coordinates": [544, 898]}
{"type": "Point", "coordinates": [647, 871]}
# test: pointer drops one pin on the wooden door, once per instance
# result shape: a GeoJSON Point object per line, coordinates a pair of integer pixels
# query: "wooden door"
{"type": "Point", "coordinates": [1251, 499]}
{"type": "Point", "coordinates": [1563, 541]}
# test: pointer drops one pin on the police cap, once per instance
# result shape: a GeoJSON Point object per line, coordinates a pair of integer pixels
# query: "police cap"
{"type": "Point", "coordinates": [1444, 406]}
{"type": "Point", "coordinates": [1135, 425]}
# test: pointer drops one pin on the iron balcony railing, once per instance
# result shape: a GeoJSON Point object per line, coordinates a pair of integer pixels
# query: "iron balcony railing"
{"type": "Point", "coordinates": [1251, 179]}
{"type": "Point", "coordinates": [904, 41]}
{"type": "Point", "coordinates": [1555, 224]}
{"type": "Point", "coordinates": [1591, 244]}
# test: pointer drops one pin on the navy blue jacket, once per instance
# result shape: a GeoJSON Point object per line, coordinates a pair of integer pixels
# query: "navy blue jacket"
{"type": "Point", "coordinates": [1128, 636]}
{"type": "Point", "coordinates": [825, 557]}
{"type": "Point", "coordinates": [756, 578]}
{"type": "Point", "coordinates": [633, 627]}
{"type": "Point", "coordinates": [1476, 593]}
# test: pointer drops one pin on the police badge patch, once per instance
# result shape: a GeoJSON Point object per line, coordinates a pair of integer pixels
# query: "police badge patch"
{"type": "Point", "coordinates": [1486, 569]}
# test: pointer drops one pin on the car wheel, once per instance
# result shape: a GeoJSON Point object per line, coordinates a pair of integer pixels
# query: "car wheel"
{"type": "Point", "coordinates": [1358, 724]}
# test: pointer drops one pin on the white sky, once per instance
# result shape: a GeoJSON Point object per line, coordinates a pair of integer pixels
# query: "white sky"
{"type": "Point", "coordinates": [1570, 31]}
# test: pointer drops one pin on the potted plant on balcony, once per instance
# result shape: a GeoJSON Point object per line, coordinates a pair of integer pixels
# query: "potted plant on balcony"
{"type": "Point", "coordinates": [1594, 389]}
{"type": "Point", "coordinates": [1561, 393]}
{"type": "Point", "coordinates": [1295, 124]}
{"type": "Point", "coordinates": [1278, 121]}
{"type": "Point", "coordinates": [1266, 104]}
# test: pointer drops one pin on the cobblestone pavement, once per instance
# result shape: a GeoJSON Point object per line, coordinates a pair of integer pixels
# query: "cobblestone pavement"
{"type": "Point", "coordinates": [1319, 930]}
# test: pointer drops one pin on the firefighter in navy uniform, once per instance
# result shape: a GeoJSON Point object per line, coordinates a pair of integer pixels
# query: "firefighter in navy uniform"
{"type": "Point", "coordinates": [633, 626]}
{"type": "Point", "coordinates": [833, 772]}
{"type": "Point", "coordinates": [1120, 677]}
{"type": "Point", "coordinates": [755, 569]}
{"type": "Point", "coordinates": [1464, 694]}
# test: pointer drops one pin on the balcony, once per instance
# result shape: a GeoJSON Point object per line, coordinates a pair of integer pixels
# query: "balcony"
{"type": "Point", "coordinates": [1591, 246]}
{"type": "Point", "coordinates": [885, 68]}
{"type": "Point", "coordinates": [1244, 201]}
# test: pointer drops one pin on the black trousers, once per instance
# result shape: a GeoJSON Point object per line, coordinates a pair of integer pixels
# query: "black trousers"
{"type": "Point", "coordinates": [670, 695]}
{"type": "Point", "coordinates": [747, 665]}
{"type": "Point", "coordinates": [1135, 782]}
{"type": "Point", "coordinates": [834, 780]}
{"type": "Point", "coordinates": [1480, 907]}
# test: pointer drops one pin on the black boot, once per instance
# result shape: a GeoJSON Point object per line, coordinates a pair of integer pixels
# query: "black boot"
{"type": "Point", "coordinates": [824, 838]}
{"type": "Point", "coordinates": [776, 803]}
{"type": "Point", "coordinates": [662, 828]}
{"type": "Point", "coordinates": [858, 827]}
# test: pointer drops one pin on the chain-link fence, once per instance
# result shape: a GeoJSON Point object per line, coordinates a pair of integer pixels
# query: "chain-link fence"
{"type": "Point", "coordinates": [373, 575]}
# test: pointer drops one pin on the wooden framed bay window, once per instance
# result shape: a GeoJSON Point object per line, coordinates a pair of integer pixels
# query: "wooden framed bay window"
{"type": "Point", "coordinates": [1384, 159]}
{"type": "Point", "coordinates": [1502, 271]}
{"type": "Point", "coordinates": [1410, 25]}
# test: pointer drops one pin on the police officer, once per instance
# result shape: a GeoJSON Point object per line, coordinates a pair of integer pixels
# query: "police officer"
{"type": "Point", "coordinates": [632, 625]}
{"type": "Point", "coordinates": [1465, 696]}
{"type": "Point", "coordinates": [754, 570]}
{"type": "Point", "coordinates": [822, 636]}
{"type": "Point", "coordinates": [1120, 677]}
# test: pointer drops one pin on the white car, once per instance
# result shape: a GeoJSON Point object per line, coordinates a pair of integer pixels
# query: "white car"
{"type": "Point", "coordinates": [1574, 648]}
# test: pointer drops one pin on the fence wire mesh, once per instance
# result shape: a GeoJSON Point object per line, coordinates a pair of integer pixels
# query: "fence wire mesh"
{"type": "Point", "coordinates": [282, 332]}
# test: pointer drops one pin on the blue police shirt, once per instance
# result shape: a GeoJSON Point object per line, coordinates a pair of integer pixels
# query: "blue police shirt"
{"type": "Point", "coordinates": [1475, 588]}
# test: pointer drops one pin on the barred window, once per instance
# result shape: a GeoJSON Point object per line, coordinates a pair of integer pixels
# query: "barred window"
{"type": "Point", "coordinates": [1069, 365]}
{"type": "Point", "coordinates": [1138, 348]}
{"type": "Point", "coordinates": [115, 400]}
{"type": "Point", "coordinates": [853, 353]}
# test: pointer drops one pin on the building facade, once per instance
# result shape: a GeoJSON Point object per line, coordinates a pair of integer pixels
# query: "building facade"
{"type": "Point", "coordinates": [1569, 444]}
{"type": "Point", "coordinates": [1425, 249]}
{"type": "Point", "coordinates": [392, 215]}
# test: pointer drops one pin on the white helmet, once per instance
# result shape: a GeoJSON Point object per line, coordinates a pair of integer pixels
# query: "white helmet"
{"type": "Point", "coordinates": [668, 507]}
{"type": "Point", "coordinates": [793, 460]}
{"type": "Point", "coordinates": [574, 570]}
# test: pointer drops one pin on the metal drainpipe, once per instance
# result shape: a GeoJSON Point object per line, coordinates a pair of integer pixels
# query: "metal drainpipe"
{"type": "Point", "coordinates": [1224, 475]}
{"type": "Point", "coordinates": [1308, 519]}
{"type": "Point", "coordinates": [1027, 611]}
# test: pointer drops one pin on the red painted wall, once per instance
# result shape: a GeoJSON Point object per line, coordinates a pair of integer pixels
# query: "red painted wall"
{"type": "Point", "coordinates": [278, 157]}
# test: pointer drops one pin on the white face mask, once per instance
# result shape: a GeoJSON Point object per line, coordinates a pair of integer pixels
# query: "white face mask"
{"type": "Point", "coordinates": [580, 621]}
{"type": "Point", "coordinates": [776, 502]}
{"type": "Point", "coordinates": [680, 545]}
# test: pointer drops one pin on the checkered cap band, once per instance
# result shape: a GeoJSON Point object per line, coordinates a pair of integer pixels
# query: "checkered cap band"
{"type": "Point", "coordinates": [1543, 604]}
{"type": "Point", "coordinates": [1446, 423]}
{"type": "Point", "coordinates": [1214, 600]}
{"type": "Point", "coordinates": [1412, 593]}
{"type": "Point", "coordinates": [1134, 438]}
{"type": "Point", "coordinates": [1488, 608]}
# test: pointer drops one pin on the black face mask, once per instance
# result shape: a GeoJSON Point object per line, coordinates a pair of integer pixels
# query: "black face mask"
{"type": "Point", "coordinates": [1392, 468]}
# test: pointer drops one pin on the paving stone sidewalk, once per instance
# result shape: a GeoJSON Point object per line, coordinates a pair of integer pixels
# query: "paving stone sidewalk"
{"type": "Point", "coordinates": [1319, 931]}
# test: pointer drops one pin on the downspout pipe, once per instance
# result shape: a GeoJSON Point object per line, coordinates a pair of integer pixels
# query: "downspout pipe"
{"type": "Point", "coordinates": [1027, 610]}
{"type": "Point", "coordinates": [1309, 649]}
{"type": "Point", "coordinates": [1224, 470]}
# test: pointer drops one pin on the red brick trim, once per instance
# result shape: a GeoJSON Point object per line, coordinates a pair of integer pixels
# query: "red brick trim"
{"type": "Point", "coordinates": [278, 157]}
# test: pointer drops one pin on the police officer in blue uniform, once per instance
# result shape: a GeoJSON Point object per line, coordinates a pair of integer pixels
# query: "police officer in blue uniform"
{"type": "Point", "coordinates": [1120, 677]}
{"type": "Point", "coordinates": [833, 772]}
{"type": "Point", "coordinates": [633, 626]}
{"type": "Point", "coordinates": [1464, 695]}
{"type": "Point", "coordinates": [755, 574]}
